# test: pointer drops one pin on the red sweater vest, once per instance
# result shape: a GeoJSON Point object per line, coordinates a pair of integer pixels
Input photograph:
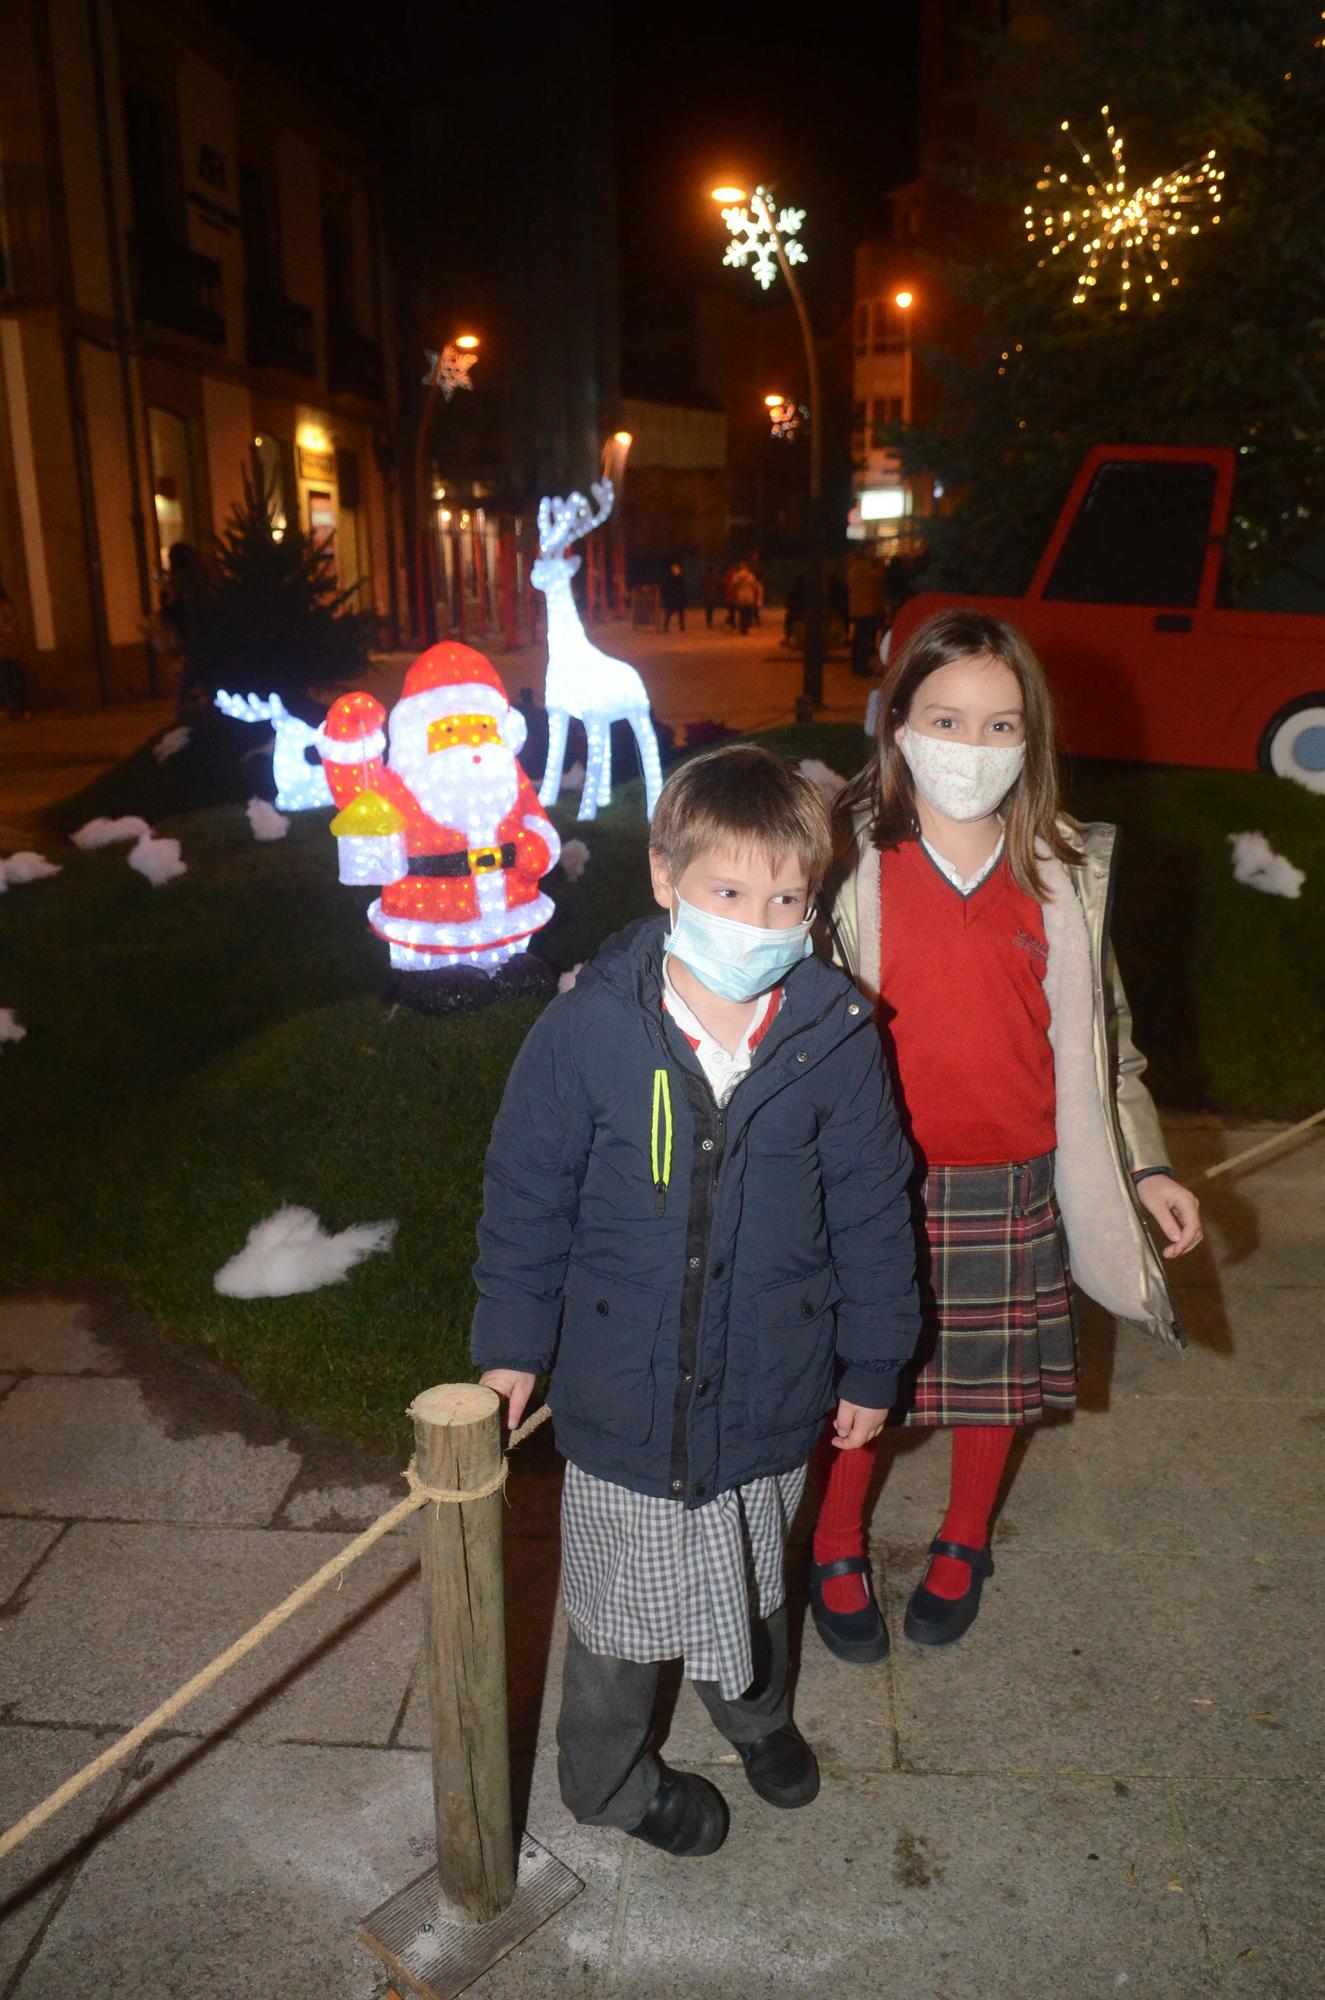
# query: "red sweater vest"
{"type": "Point", "coordinates": [962, 986]}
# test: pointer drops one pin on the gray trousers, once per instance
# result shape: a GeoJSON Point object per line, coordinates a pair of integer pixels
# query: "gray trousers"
{"type": "Point", "coordinates": [607, 1767]}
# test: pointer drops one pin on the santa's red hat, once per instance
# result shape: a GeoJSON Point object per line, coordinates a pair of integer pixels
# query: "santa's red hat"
{"type": "Point", "coordinates": [352, 733]}
{"type": "Point", "coordinates": [451, 679]}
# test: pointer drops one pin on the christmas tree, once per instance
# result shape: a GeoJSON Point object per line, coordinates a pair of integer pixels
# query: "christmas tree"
{"type": "Point", "coordinates": [272, 615]}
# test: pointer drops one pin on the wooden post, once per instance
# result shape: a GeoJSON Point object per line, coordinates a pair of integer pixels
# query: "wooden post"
{"type": "Point", "coordinates": [457, 1434]}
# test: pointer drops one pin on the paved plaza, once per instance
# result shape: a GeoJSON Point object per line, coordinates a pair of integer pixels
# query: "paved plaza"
{"type": "Point", "coordinates": [1112, 1786]}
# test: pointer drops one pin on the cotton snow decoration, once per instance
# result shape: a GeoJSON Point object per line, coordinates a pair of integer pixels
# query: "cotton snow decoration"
{"type": "Point", "coordinates": [26, 867]}
{"type": "Point", "coordinates": [574, 859]}
{"type": "Point", "coordinates": [292, 1252]}
{"type": "Point", "coordinates": [266, 822]}
{"type": "Point", "coordinates": [568, 979]}
{"type": "Point", "coordinates": [159, 860]}
{"type": "Point", "coordinates": [11, 1028]}
{"type": "Point", "coordinates": [171, 742]}
{"type": "Point", "coordinates": [828, 782]}
{"type": "Point", "coordinates": [1256, 863]}
{"type": "Point", "coordinates": [104, 832]}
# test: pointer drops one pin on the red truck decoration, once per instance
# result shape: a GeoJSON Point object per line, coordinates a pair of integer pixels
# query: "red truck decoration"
{"type": "Point", "coordinates": [1146, 665]}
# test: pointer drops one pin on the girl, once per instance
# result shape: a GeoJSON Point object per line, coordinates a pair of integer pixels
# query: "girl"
{"type": "Point", "coordinates": [979, 917]}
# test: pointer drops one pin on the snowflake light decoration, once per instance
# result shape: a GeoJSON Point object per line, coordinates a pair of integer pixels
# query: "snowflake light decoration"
{"type": "Point", "coordinates": [756, 234]}
{"type": "Point", "coordinates": [1115, 229]}
{"type": "Point", "coordinates": [449, 370]}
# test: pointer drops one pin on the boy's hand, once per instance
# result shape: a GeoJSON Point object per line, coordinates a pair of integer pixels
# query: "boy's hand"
{"type": "Point", "coordinates": [515, 1386]}
{"type": "Point", "coordinates": [854, 1426]}
{"type": "Point", "coordinates": [1176, 1210]}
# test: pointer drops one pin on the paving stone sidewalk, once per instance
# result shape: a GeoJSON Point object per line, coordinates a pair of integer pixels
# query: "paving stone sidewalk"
{"type": "Point", "coordinates": [1111, 1787]}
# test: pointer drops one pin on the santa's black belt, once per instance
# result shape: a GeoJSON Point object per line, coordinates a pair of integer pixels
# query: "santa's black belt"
{"type": "Point", "coordinates": [478, 861]}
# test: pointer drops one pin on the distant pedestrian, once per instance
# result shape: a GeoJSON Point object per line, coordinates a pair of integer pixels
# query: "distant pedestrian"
{"type": "Point", "coordinates": [176, 621]}
{"type": "Point", "coordinates": [867, 604]}
{"type": "Point", "coordinates": [729, 594]}
{"type": "Point", "coordinates": [760, 593]}
{"type": "Point", "coordinates": [745, 597]}
{"type": "Point", "coordinates": [674, 596]}
{"type": "Point", "coordinates": [13, 675]}
{"type": "Point", "coordinates": [711, 586]}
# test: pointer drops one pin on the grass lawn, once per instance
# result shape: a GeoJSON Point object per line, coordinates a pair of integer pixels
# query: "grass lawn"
{"type": "Point", "coordinates": [197, 1055]}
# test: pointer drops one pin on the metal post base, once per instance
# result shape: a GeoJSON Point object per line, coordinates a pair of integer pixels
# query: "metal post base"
{"type": "Point", "coordinates": [433, 1952]}
{"type": "Point", "coordinates": [806, 708]}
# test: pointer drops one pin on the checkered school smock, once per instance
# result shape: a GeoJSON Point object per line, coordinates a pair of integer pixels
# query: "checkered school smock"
{"type": "Point", "coordinates": [650, 1579]}
{"type": "Point", "coordinates": [998, 1344]}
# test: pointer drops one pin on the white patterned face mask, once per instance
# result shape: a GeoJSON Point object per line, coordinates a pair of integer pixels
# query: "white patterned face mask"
{"type": "Point", "coordinates": [961, 780]}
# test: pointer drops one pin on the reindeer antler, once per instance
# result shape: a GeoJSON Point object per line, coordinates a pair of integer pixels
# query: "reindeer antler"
{"type": "Point", "coordinates": [561, 522]}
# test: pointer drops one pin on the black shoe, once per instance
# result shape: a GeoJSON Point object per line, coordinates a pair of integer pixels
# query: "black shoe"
{"type": "Point", "coordinates": [782, 1767]}
{"type": "Point", "coordinates": [686, 1816]}
{"type": "Point", "coordinates": [937, 1621]}
{"type": "Point", "coordinates": [859, 1637]}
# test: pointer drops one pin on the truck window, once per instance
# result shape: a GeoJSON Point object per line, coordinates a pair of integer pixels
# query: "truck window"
{"type": "Point", "coordinates": [1140, 535]}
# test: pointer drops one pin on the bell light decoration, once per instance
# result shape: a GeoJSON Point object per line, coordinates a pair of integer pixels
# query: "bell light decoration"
{"type": "Point", "coordinates": [445, 820]}
{"type": "Point", "coordinates": [582, 680]}
{"type": "Point", "coordinates": [295, 765]}
{"type": "Point", "coordinates": [370, 840]}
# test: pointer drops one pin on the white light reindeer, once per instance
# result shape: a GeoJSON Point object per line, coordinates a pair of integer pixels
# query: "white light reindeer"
{"type": "Point", "coordinates": [301, 781]}
{"type": "Point", "coordinates": [581, 680]}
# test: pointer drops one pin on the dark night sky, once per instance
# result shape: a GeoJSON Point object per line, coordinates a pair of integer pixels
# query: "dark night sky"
{"type": "Point", "coordinates": [829, 121]}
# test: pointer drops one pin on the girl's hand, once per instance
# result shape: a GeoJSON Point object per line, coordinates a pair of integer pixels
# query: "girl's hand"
{"type": "Point", "coordinates": [1176, 1210]}
{"type": "Point", "coordinates": [854, 1426]}
{"type": "Point", "coordinates": [515, 1386]}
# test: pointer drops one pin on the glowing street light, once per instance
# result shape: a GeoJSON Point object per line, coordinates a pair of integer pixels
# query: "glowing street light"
{"type": "Point", "coordinates": [767, 238]}
{"type": "Point", "coordinates": [904, 300]}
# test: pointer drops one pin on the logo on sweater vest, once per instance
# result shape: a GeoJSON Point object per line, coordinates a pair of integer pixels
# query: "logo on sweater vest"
{"type": "Point", "coordinates": [1033, 945]}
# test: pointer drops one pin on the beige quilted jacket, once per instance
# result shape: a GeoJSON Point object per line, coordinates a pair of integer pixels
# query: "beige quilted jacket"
{"type": "Point", "coordinates": [1107, 1126]}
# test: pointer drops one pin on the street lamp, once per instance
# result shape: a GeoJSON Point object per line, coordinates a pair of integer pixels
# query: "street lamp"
{"type": "Point", "coordinates": [768, 239]}
{"type": "Point", "coordinates": [448, 370]}
{"type": "Point", "coordinates": [614, 456]}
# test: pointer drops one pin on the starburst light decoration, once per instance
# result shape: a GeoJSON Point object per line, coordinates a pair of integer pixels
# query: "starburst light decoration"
{"type": "Point", "coordinates": [449, 370]}
{"type": "Point", "coordinates": [1117, 231]}
{"type": "Point", "coordinates": [756, 233]}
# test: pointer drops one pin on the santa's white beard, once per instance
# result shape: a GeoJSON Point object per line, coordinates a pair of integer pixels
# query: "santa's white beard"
{"type": "Point", "coordinates": [471, 790]}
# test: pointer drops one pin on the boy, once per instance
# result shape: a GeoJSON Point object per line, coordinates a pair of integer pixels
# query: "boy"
{"type": "Point", "coordinates": [696, 1216]}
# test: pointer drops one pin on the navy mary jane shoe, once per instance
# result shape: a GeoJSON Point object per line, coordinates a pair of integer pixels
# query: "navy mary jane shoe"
{"type": "Point", "coordinates": [937, 1621]}
{"type": "Point", "coordinates": [858, 1637]}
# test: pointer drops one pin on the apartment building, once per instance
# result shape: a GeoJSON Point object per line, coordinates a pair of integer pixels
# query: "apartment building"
{"type": "Point", "coordinates": [193, 283]}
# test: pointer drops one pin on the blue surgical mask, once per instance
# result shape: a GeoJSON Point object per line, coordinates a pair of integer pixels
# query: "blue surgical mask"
{"type": "Point", "coordinates": [734, 960]}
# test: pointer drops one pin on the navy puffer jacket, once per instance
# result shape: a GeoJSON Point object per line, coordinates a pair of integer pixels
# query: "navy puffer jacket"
{"type": "Point", "coordinates": [704, 1284]}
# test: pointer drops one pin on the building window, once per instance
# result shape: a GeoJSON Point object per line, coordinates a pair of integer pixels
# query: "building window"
{"type": "Point", "coordinates": [862, 328]}
{"type": "Point", "coordinates": [889, 335]}
{"type": "Point", "coordinates": [273, 464]}
{"type": "Point", "coordinates": [172, 481]}
{"type": "Point", "coordinates": [887, 417]}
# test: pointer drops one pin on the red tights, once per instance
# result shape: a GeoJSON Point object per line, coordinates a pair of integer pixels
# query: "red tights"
{"type": "Point", "coordinates": [979, 1456]}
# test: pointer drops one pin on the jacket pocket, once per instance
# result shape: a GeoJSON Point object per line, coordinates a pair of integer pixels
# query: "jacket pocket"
{"type": "Point", "coordinates": [794, 1359]}
{"type": "Point", "coordinates": [603, 1375]}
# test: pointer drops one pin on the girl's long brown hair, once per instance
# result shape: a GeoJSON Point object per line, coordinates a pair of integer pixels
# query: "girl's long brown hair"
{"type": "Point", "coordinates": [885, 787]}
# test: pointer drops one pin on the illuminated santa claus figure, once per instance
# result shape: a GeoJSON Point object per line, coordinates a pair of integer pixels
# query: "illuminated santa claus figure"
{"type": "Point", "coordinates": [446, 821]}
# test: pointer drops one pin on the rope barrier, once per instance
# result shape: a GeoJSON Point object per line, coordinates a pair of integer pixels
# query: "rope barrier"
{"type": "Point", "coordinates": [124, 1746]}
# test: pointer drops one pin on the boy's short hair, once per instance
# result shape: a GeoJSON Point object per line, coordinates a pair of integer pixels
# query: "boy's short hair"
{"type": "Point", "coordinates": [741, 795]}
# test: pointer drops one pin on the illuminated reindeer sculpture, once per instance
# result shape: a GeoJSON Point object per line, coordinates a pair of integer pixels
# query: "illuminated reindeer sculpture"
{"type": "Point", "coordinates": [301, 781]}
{"type": "Point", "coordinates": [581, 680]}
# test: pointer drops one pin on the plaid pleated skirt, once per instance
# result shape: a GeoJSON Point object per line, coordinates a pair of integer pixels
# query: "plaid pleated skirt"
{"type": "Point", "coordinates": [998, 1344]}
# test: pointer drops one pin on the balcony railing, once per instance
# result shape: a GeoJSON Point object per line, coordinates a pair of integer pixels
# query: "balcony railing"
{"type": "Point", "coordinates": [354, 363]}
{"type": "Point", "coordinates": [280, 333]}
{"type": "Point", "coordinates": [178, 288]}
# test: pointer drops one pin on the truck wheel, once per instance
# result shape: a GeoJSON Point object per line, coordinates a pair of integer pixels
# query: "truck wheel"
{"type": "Point", "coordinates": [1293, 745]}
